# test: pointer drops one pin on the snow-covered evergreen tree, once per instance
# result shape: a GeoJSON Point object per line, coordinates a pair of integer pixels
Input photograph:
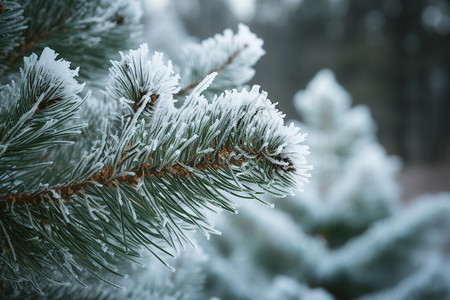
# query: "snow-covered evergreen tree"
{"type": "Point", "coordinates": [347, 236]}
{"type": "Point", "coordinates": [99, 174]}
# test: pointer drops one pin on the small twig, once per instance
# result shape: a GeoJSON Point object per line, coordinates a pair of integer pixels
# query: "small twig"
{"type": "Point", "coordinates": [219, 69]}
{"type": "Point", "coordinates": [150, 104]}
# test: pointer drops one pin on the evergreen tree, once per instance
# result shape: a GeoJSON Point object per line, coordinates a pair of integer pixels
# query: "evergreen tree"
{"type": "Point", "coordinates": [92, 184]}
{"type": "Point", "coordinates": [347, 236]}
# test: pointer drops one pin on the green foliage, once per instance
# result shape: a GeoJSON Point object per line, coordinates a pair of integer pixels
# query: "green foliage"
{"type": "Point", "coordinates": [12, 23]}
{"type": "Point", "coordinates": [82, 197]}
{"type": "Point", "coordinates": [88, 33]}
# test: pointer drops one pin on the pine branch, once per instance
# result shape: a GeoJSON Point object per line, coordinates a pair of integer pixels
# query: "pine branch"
{"type": "Point", "coordinates": [29, 43]}
{"type": "Point", "coordinates": [36, 37]}
{"type": "Point", "coordinates": [150, 182]}
{"type": "Point", "coordinates": [106, 177]}
{"type": "Point", "coordinates": [37, 114]}
{"type": "Point", "coordinates": [86, 32]}
{"type": "Point", "coordinates": [135, 79]}
{"type": "Point", "coordinates": [230, 55]}
{"type": "Point", "coordinates": [149, 281]}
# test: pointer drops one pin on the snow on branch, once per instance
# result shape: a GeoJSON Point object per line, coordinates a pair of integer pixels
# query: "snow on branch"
{"type": "Point", "coordinates": [151, 182]}
{"type": "Point", "coordinates": [135, 78]}
{"type": "Point", "coordinates": [36, 113]}
{"type": "Point", "coordinates": [231, 55]}
{"type": "Point", "coordinates": [239, 130]}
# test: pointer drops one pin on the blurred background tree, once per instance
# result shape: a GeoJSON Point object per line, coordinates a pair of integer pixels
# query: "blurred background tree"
{"type": "Point", "coordinates": [347, 236]}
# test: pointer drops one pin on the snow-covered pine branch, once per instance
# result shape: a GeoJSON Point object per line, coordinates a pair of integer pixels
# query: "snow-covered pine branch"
{"type": "Point", "coordinates": [230, 55]}
{"type": "Point", "coordinates": [36, 114]}
{"type": "Point", "coordinates": [135, 79]}
{"type": "Point", "coordinates": [152, 181]}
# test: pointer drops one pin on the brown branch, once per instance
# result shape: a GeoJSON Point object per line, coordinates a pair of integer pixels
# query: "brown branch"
{"type": "Point", "coordinates": [28, 44]}
{"type": "Point", "coordinates": [106, 178]}
{"type": "Point", "coordinates": [46, 103]}
{"type": "Point", "coordinates": [218, 69]}
{"type": "Point", "coordinates": [120, 20]}
{"type": "Point", "coordinates": [150, 104]}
